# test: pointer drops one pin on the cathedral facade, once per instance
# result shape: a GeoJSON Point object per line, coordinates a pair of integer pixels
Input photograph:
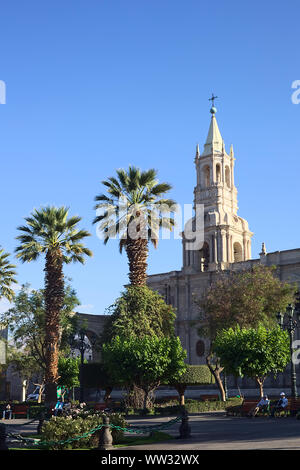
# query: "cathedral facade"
{"type": "Point", "coordinates": [227, 244]}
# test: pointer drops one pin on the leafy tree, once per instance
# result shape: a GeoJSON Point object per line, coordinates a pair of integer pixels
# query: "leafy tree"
{"type": "Point", "coordinates": [247, 298]}
{"type": "Point", "coordinates": [139, 311]}
{"type": "Point", "coordinates": [7, 276]}
{"type": "Point", "coordinates": [253, 352]}
{"type": "Point", "coordinates": [51, 233]}
{"type": "Point", "coordinates": [134, 209]}
{"type": "Point", "coordinates": [144, 362]}
{"type": "Point", "coordinates": [26, 322]}
{"type": "Point", "coordinates": [69, 368]}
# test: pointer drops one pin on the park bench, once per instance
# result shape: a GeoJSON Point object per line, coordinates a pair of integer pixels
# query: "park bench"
{"type": "Point", "coordinates": [20, 410]}
{"type": "Point", "coordinates": [291, 409]}
{"type": "Point", "coordinates": [244, 409]}
{"type": "Point", "coordinates": [100, 406]}
{"type": "Point", "coordinates": [209, 397]}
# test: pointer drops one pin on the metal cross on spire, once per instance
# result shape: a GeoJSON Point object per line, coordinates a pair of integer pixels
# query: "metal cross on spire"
{"type": "Point", "coordinates": [212, 99]}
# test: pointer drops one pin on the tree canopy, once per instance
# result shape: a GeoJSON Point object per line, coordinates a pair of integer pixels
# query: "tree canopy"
{"type": "Point", "coordinates": [253, 352]}
{"type": "Point", "coordinates": [139, 311]}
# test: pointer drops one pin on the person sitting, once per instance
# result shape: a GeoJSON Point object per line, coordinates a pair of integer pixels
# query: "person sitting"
{"type": "Point", "coordinates": [262, 405]}
{"type": "Point", "coordinates": [58, 408]}
{"type": "Point", "coordinates": [280, 405]}
{"type": "Point", "coordinates": [7, 411]}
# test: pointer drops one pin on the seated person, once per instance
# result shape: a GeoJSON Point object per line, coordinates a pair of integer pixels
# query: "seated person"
{"type": "Point", "coordinates": [262, 405]}
{"type": "Point", "coordinates": [280, 405]}
{"type": "Point", "coordinates": [7, 411]}
{"type": "Point", "coordinates": [58, 408]}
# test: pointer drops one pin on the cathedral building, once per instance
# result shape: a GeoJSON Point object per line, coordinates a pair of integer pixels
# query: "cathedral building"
{"type": "Point", "coordinates": [227, 243]}
{"type": "Point", "coordinates": [226, 247]}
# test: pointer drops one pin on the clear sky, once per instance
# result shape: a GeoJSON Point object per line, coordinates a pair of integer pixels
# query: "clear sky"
{"type": "Point", "coordinates": [96, 85]}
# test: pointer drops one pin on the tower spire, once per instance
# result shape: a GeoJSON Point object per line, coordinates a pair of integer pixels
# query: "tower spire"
{"type": "Point", "coordinates": [214, 141]}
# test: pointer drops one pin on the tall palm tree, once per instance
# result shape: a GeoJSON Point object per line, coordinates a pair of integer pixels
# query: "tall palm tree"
{"type": "Point", "coordinates": [135, 210]}
{"type": "Point", "coordinates": [7, 276]}
{"type": "Point", "coordinates": [50, 232]}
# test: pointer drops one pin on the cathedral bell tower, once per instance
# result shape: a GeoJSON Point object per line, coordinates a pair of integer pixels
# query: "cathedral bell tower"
{"type": "Point", "coordinates": [227, 236]}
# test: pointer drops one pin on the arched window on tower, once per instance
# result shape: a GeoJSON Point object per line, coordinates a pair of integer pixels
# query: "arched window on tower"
{"type": "Point", "coordinates": [227, 176]}
{"type": "Point", "coordinates": [218, 173]}
{"type": "Point", "coordinates": [204, 255]}
{"type": "Point", "coordinates": [237, 252]}
{"type": "Point", "coordinates": [206, 176]}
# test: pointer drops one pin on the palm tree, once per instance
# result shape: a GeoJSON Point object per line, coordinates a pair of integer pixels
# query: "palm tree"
{"type": "Point", "coordinates": [50, 232]}
{"type": "Point", "coordinates": [7, 276]}
{"type": "Point", "coordinates": [134, 210]}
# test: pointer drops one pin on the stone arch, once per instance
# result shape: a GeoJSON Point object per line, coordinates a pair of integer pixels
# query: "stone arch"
{"type": "Point", "coordinates": [237, 252]}
{"type": "Point", "coordinates": [227, 176]}
{"type": "Point", "coordinates": [206, 176]}
{"type": "Point", "coordinates": [218, 173]}
{"type": "Point", "coordinates": [204, 254]}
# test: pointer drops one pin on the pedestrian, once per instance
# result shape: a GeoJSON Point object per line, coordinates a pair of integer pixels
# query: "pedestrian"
{"type": "Point", "coordinates": [7, 411]}
{"type": "Point", "coordinates": [280, 405]}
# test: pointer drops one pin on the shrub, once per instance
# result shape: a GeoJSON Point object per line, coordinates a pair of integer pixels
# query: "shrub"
{"type": "Point", "coordinates": [63, 428]}
{"type": "Point", "coordinates": [194, 375]}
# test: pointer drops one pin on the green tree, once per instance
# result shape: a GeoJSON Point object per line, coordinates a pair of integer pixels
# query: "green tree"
{"type": "Point", "coordinates": [69, 368]}
{"type": "Point", "coordinates": [7, 276]}
{"type": "Point", "coordinates": [247, 298]}
{"type": "Point", "coordinates": [144, 362]}
{"type": "Point", "coordinates": [253, 352]}
{"type": "Point", "coordinates": [26, 322]}
{"type": "Point", "coordinates": [139, 311]}
{"type": "Point", "coordinates": [51, 233]}
{"type": "Point", "coordinates": [134, 209]}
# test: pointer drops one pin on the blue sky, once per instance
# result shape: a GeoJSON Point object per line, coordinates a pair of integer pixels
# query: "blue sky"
{"type": "Point", "coordinates": [97, 85]}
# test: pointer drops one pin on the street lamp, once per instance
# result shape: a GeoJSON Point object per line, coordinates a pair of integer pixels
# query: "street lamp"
{"type": "Point", "coordinates": [78, 342]}
{"type": "Point", "coordinates": [290, 325]}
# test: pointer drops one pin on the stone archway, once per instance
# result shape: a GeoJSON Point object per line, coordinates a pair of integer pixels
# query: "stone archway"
{"type": "Point", "coordinates": [94, 325]}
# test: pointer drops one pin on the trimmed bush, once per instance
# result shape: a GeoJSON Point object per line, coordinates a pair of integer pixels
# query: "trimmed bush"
{"type": "Point", "coordinates": [194, 375]}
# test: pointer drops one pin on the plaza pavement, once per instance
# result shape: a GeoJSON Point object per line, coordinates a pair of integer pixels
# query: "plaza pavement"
{"type": "Point", "coordinates": [209, 431]}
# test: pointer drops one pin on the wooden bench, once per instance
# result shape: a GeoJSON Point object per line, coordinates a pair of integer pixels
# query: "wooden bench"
{"type": "Point", "coordinates": [20, 410]}
{"type": "Point", "coordinates": [244, 409]}
{"type": "Point", "coordinates": [291, 409]}
{"type": "Point", "coordinates": [209, 397]}
{"type": "Point", "coordinates": [100, 406]}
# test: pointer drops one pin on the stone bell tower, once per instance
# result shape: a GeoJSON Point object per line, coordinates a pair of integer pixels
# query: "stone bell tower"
{"type": "Point", "coordinates": [227, 235]}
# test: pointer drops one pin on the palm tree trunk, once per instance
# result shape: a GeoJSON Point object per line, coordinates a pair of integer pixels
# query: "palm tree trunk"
{"type": "Point", "coordinates": [54, 297]}
{"type": "Point", "coordinates": [137, 253]}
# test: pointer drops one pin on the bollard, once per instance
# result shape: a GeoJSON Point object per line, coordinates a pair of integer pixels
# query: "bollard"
{"type": "Point", "coordinates": [3, 445]}
{"type": "Point", "coordinates": [184, 428]}
{"type": "Point", "coordinates": [105, 436]}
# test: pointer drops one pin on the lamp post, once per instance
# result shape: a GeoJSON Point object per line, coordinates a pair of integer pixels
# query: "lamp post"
{"type": "Point", "coordinates": [78, 342]}
{"type": "Point", "coordinates": [290, 325]}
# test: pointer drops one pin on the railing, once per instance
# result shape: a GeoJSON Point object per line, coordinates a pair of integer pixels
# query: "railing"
{"type": "Point", "coordinates": [105, 436]}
